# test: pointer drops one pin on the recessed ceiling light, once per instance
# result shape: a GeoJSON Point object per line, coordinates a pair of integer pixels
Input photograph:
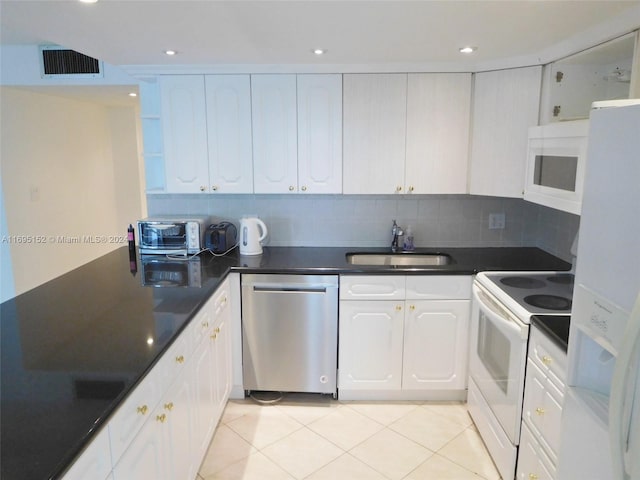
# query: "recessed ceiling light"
{"type": "Point", "coordinates": [88, 1]}
{"type": "Point", "coordinates": [170, 52]}
{"type": "Point", "coordinates": [468, 49]}
{"type": "Point", "coordinates": [319, 51]}
{"type": "Point", "coordinates": [133, 94]}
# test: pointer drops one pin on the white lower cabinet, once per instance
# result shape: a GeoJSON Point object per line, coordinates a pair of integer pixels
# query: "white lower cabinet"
{"type": "Point", "coordinates": [162, 449]}
{"type": "Point", "coordinates": [404, 347]}
{"type": "Point", "coordinates": [147, 456]}
{"type": "Point", "coordinates": [203, 405]}
{"type": "Point", "coordinates": [533, 464]}
{"type": "Point", "coordinates": [435, 344]}
{"type": "Point", "coordinates": [370, 353]}
{"type": "Point", "coordinates": [221, 340]}
{"type": "Point", "coordinates": [162, 431]}
{"type": "Point", "coordinates": [542, 408]}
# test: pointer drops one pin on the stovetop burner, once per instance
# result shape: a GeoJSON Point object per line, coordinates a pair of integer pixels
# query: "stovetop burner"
{"type": "Point", "coordinates": [549, 302]}
{"type": "Point", "coordinates": [522, 282]}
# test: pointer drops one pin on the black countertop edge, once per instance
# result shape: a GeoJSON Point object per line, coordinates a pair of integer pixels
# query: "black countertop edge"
{"type": "Point", "coordinates": [554, 327]}
{"type": "Point", "coordinates": [285, 260]}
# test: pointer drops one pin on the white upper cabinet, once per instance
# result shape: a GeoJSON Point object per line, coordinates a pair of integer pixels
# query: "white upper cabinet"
{"type": "Point", "coordinates": [184, 128]}
{"type": "Point", "coordinates": [506, 104]}
{"type": "Point", "coordinates": [275, 143]}
{"type": "Point", "coordinates": [406, 133]}
{"type": "Point", "coordinates": [229, 133]}
{"type": "Point", "coordinates": [319, 133]}
{"type": "Point", "coordinates": [438, 106]}
{"type": "Point", "coordinates": [375, 111]}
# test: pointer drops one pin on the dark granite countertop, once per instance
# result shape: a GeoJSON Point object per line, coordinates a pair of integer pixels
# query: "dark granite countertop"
{"type": "Point", "coordinates": [555, 327]}
{"type": "Point", "coordinates": [73, 348]}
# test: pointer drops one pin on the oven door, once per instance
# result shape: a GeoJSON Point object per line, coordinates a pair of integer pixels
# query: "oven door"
{"type": "Point", "coordinates": [497, 359]}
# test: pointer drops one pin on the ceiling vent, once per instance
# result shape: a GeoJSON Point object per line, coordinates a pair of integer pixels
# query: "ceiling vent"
{"type": "Point", "coordinates": [59, 62]}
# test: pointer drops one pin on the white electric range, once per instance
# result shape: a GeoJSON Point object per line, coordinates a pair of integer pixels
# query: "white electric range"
{"type": "Point", "coordinates": [502, 307]}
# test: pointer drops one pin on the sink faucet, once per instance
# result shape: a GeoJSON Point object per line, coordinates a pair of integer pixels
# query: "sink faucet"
{"type": "Point", "coordinates": [396, 231]}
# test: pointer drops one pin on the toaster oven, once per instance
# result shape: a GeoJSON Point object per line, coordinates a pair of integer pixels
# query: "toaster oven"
{"type": "Point", "coordinates": [171, 235]}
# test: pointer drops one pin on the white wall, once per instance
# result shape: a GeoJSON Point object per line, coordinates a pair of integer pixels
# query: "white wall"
{"type": "Point", "coordinates": [71, 182]}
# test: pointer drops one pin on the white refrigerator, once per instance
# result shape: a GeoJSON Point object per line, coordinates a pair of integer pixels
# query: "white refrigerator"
{"type": "Point", "coordinates": [600, 437]}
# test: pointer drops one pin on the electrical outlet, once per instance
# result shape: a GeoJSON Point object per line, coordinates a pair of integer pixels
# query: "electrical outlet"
{"type": "Point", "coordinates": [496, 221]}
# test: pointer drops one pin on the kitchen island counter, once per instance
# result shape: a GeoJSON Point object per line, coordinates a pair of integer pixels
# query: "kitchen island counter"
{"type": "Point", "coordinates": [74, 348]}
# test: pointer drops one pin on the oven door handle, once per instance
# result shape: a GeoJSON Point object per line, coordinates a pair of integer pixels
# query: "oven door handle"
{"type": "Point", "coordinates": [502, 319]}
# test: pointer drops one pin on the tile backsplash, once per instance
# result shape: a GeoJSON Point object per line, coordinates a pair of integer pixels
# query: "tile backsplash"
{"type": "Point", "coordinates": [365, 220]}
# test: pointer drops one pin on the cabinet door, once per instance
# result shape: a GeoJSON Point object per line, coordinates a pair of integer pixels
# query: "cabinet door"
{"type": "Point", "coordinates": [506, 104]}
{"type": "Point", "coordinates": [374, 116]}
{"type": "Point", "coordinates": [177, 406]}
{"type": "Point", "coordinates": [223, 345]}
{"type": "Point", "coordinates": [275, 144]}
{"type": "Point", "coordinates": [229, 133]}
{"type": "Point", "coordinates": [184, 128]}
{"type": "Point", "coordinates": [221, 339]}
{"type": "Point", "coordinates": [370, 350]}
{"type": "Point", "coordinates": [320, 133]}
{"type": "Point", "coordinates": [438, 117]}
{"type": "Point", "coordinates": [148, 454]}
{"type": "Point", "coordinates": [204, 399]}
{"type": "Point", "coordinates": [435, 345]}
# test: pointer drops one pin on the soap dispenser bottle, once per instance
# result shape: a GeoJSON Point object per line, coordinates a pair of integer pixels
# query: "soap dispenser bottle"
{"type": "Point", "coordinates": [408, 240]}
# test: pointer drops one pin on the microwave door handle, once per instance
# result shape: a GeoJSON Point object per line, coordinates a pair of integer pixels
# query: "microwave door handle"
{"type": "Point", "coordinates": [505, 324]}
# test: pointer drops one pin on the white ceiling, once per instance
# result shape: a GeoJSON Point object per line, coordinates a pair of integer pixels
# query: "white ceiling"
{"type": "Point", "coordinates": [388, 34]}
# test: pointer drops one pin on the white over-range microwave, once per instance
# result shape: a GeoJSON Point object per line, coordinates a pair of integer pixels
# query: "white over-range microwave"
{"type": "Point", "coordinates": [556, 165]}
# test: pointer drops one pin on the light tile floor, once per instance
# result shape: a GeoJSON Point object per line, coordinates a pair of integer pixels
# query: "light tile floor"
{"type": "Point", "coordinates": [314, 437]}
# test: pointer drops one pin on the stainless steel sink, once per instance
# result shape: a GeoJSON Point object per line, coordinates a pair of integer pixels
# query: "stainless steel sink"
{"type": "Point", "coordinates": [399, 259]}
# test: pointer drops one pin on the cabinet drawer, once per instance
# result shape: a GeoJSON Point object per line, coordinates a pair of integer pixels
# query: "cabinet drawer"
{"type": "Point", "coordinates": [367, 287]}
{"type": "Point", "coordinates": [221, 298]}
{"type": "Point", "coordinates": [542, 409]}
{"type": "Point", "coordinates": [532, 461]}
{"type": "Point", "coordinates": [201, 325]}
{"type": "Point", "coordinates": [438, 287]}
{"type": "Point", "coordinates": [133, 413]}
{"type": "Point", "coordinates": [174, 361]}
{"type": "Point", "coordinates": [551, 359]}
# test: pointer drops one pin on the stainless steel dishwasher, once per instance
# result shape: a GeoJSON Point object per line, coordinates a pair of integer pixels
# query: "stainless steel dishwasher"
{"type": "Point", "coordinates": [290, 332]}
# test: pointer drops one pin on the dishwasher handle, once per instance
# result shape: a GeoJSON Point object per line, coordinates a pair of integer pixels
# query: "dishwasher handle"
{"type": "Point", "coordinates": [296, 289]}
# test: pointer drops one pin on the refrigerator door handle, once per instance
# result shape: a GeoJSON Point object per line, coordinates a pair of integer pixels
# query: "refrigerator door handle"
{"type": "Point", "coordinates": [622, 385]}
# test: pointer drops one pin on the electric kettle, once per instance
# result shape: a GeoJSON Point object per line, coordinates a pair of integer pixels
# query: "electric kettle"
{"type": "Point", "coordinates": [252, 232]}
